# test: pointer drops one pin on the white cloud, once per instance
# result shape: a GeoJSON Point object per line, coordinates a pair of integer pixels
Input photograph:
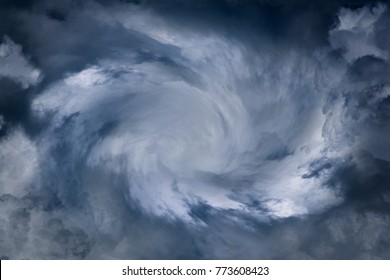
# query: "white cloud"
{"type": "Point", "coordinates": [355, 32]}
{"type": "Point", "coordinates": [171, 137]}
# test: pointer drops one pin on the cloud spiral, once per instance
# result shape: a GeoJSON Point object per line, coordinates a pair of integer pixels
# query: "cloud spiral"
{"type": "Point", "coordinates": [236, 136]}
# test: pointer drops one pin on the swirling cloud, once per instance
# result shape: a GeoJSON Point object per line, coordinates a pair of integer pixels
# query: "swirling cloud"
{"type": "Point", "coordinates": [235, 135]}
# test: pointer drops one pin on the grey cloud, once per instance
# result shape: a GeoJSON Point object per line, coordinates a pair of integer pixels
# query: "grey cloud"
{"type": "Point", "coordinates": [15, 66]}
{"type": "Point", "coordinates": [29, 232]}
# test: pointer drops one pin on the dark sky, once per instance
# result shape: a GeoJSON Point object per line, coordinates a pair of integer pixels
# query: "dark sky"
{"type": "Point", "coordinates": [194, 129]}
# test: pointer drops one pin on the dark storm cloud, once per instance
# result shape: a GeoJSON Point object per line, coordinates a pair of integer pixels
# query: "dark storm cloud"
{"type": "Point", "coordinates": [280, 107]}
